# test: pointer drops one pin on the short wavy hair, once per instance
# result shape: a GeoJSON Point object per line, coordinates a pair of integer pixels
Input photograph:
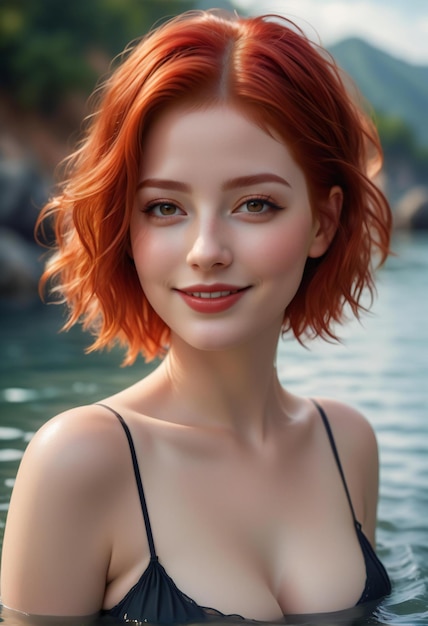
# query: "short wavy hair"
{"type": "Point", "coordinates": [266, 66]}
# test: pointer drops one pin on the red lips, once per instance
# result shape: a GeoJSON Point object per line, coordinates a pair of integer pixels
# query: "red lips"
{"type": "Point", "coordinates": [211, 298]}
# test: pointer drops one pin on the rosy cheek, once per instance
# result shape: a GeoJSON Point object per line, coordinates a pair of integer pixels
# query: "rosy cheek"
{"type": "Point", "coordinates": [286, 248]}
{"type": "Point", "coordinates": [153, 255]}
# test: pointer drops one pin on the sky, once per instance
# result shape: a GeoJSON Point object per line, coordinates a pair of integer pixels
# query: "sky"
{"type": "Point", "coordinates": [400, 27]}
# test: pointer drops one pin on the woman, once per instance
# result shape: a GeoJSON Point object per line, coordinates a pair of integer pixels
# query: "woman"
{"type": "Point", "coordinates": [220, 198]}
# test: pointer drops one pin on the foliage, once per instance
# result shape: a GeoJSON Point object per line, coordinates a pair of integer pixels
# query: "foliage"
{"type": "Point", "coordinates": [51, 49]}
{"type": "Point", "coordinates": [401, 145]}
{"type": "Point", "coordinates": [46, 46]}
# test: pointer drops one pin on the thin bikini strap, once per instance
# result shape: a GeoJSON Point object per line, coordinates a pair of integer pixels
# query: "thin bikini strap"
{"type": "Point", "coordinates": [336, 455]}
{"type": "Point", "coordinates": [138, 480]}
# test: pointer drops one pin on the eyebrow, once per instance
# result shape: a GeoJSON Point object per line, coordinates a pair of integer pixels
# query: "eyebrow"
{"type": "Point", "coordinates": [255, 179]}
{"type": "Point", "coordinates": [164, 183]}
{"type": "Point", "coordinates": [233, 183]}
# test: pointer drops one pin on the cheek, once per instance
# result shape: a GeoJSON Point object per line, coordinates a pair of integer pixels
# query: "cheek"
{"type": "Point", "coordinates": [149, 254]}
{"type": "Point", "coordinates": [285, 250]}
{"type": "Point", "coordinates": [152, 248]}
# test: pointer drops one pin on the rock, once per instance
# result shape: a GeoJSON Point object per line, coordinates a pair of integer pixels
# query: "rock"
{"type": "Point", "coordinates": [20, 265]}
{"type": "Point", "coordinates": [412, 210]}
{"type": "Point", "coordinates": [23, 191]}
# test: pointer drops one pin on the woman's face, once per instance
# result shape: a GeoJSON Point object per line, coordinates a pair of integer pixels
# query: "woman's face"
{"type": "Point", "coordinates": [222, 226]}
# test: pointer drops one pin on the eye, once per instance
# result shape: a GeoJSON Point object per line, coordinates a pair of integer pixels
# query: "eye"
{"type": "Point", "coordinates": [258, 206]}
{"type": "Point", "coordinates": [163, 209]}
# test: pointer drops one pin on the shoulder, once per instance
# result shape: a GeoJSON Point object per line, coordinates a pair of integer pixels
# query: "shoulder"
{"type": "Point", "coordinates": [357, 447]}
{"type": "Point", "coordinates": [352, 431]}
{"type": "Point", "coordinates": [82, 447]}
{"type": "Point", "coordinates": [62, 515]}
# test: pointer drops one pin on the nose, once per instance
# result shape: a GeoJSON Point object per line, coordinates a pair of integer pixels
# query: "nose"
{"type": "Point", "coordinates": [209, 248]}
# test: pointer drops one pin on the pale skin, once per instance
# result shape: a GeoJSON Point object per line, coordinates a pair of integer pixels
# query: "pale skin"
{"type": "Point", "coordinates": [248, 511]}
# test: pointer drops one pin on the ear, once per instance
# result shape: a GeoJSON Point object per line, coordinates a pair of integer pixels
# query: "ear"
{"type": "Point", "coordinates": [326, 223]}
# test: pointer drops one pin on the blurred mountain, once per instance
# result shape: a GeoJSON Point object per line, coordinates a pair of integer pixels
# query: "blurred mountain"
{"type": "Point", "coordinates": [392, 86]}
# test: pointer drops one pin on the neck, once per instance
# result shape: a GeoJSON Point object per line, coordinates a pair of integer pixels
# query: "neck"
{"type": "Point", "coordinates": [235, 389]}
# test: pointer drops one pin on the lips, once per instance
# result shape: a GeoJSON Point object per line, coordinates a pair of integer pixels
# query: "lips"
{"type": "Point", "coordinates": [211, 294]}
{"type": "Point", "coordinates": [211, 298]}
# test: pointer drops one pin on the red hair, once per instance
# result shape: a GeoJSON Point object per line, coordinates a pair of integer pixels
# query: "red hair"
{"type": "Point", "coordinates": [267, 67]}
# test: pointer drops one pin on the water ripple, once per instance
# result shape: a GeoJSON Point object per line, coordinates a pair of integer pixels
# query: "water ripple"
{"type": "Point", "coordinates": [9, 454]}
{"type": "Point", "coordinates": [19, 394]}
{"type": "Point", "coordinates": [10, 433]}
{"type": "Point", "coordinates": [381, 368]}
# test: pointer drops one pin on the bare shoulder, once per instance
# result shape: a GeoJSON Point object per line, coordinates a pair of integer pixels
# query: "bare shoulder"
{"type": "Point", "coordinates": [353, 433]}
{"type": "Point", "coordinates": [83, 442]}
{"type": "Point", "coordinates": [61, 520]}
{"type": "Point", "coordinates": [351, 428]}
{"type": "Point", "coordinates": [357, 447]}
{"type": "Point", "coordinates": [76, 462]}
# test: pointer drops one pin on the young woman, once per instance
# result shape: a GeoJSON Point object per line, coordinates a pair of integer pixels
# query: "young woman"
{"type": "Point", "coordinates": [221, 197]}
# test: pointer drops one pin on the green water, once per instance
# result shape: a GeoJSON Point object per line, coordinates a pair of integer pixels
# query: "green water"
{"type": "Point", "coordinates": [382, 368]}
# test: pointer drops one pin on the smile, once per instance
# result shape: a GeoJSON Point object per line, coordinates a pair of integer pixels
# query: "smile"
{"type": "Point", "coordinates": [210, 294]}
{"type": "Point", "coordinates": [211, 299]}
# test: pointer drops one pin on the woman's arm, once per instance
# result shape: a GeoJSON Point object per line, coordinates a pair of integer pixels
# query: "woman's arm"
{"type": "Point", "coordinates": [57, 542]}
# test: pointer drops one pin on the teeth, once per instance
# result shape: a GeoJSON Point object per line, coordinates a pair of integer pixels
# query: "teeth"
{"type": "Point", "coordinates": [210, 294]}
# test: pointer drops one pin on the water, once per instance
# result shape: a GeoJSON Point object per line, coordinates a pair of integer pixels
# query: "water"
{"type": "Point", "coordinates": [382, 369]}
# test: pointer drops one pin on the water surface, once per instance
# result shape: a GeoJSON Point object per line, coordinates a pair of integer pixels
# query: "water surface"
{"type": "Point", "coordinates": [381, 368]}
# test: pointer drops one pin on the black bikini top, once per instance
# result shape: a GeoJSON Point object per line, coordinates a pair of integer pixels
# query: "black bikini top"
{"type": "Point", "coordinates": [155, 598]}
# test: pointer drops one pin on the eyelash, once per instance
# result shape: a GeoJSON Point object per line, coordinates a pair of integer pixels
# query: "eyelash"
{"type": "Point", "coordinates": [264, 200]}
{"type": "Point", "coordinates": [150, 209]}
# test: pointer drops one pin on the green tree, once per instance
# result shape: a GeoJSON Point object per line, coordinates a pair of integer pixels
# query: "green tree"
{"type": "Point", "coordinates": [47, 46]}
{"type": "Point", "coordinates": [400, 145]}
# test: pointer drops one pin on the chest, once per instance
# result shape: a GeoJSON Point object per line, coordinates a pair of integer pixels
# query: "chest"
{"type": "Point", "coordinates": [260, 543]}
